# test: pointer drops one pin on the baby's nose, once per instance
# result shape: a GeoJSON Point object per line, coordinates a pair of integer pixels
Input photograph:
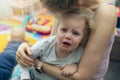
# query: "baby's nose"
{"type": "Point", "coordinates": [68, 36]}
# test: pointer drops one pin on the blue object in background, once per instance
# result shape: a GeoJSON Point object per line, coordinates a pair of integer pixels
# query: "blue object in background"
{"type": "Point", "coordinates": [118, 22]}
{"type": "Point", "coordinates": [26, 19]}
{"type": "Point", "coordinates": [118, 26]}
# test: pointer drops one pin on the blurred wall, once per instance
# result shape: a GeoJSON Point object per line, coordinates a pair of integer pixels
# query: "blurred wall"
{"type": "Point", "coordinates": [5, 9]}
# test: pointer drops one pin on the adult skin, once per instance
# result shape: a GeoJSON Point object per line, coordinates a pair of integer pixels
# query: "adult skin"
{"type": "Point", "coordinates": [105, 19]}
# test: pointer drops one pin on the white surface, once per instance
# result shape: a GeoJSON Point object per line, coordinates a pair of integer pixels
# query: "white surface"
{"type": "Point", "coordinates": [5, 9]}
{"type": "Point", "coordinates": [21, 4]}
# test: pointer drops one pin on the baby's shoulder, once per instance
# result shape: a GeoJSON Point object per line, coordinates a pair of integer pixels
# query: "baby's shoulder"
{"type": "Point", "coordinates": [48, 40]}
{"type": "Point", "coordinates": [45, 42]}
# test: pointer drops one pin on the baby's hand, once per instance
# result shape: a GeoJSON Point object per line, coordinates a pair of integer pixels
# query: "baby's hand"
{"type": "Point", "coordinates": [69, 70]}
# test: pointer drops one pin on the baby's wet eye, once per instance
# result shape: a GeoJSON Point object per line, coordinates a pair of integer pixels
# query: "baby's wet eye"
{"type": "Point", "coordinates": [63, 30]}
{"type": "Point", "coordinates": [76, 33]}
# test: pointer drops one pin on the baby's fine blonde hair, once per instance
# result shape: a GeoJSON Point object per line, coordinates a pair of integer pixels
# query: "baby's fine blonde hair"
{"type": "Point", "coordinates": [82, 13]}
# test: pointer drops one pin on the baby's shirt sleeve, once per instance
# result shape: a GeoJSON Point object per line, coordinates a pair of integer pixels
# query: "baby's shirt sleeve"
{"type": "Point", "coordinates": [40, 47]}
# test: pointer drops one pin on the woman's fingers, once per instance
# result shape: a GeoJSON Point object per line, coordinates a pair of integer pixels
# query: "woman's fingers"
{"type": "Point", "coordinates": [24, 60]}
{"type": "Point", "coordinates": [22, 63]}
{"type": "Point", "coordinates": [22, 53]}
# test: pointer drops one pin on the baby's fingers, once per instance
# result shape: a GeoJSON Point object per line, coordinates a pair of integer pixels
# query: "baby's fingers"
{"type": "Point", "coordinates": [66, 72]}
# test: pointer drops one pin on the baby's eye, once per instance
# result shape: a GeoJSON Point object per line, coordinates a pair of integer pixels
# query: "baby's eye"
{"type": "Point", "coordinates": [63, 30]}
{"type": "Point", "coordinates": [76, 33]}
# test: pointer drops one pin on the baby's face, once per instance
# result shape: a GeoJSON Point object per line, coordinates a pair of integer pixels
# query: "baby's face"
{"type": "Point", "coordinates": [70, 33]}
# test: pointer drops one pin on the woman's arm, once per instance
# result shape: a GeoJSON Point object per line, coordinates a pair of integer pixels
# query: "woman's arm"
{"type": "Point", "coordinates": [54, 71]}
{"type": "Point", "coordinates": [105, 20]}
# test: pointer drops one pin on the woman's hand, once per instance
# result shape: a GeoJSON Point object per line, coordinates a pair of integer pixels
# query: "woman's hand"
{"type": "Point", "coordinates": [21, 55]}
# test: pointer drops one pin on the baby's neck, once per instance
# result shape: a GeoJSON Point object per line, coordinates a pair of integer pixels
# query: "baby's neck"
{"type": "Point", "coordinates": [61, 53]}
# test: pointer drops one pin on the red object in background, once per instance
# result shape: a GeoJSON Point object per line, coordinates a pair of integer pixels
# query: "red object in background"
{"type": "Point", "coordinates": [41, 24]}
{"type": "Point", "coordinates": [39, 29]}
{"type": "Point", "coordinates": [118, 9]}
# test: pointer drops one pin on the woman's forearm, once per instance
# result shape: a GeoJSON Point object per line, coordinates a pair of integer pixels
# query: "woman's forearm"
{"type": "Point", "coordinates": [50, 70]}
{"type": "Point", "coordinates": [56, 72]}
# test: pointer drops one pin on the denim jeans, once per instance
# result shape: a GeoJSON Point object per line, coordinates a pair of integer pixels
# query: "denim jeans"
{"type": "Point", "coordinates": [113, 72]}
{"type": "Point", "coordinates": [8, 59]}
{"type": "Point", "coordinates": [34, 74]}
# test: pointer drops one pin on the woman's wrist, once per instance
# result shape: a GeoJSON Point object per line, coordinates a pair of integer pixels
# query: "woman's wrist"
{"type": "Point", "coordinates": [38, 65]}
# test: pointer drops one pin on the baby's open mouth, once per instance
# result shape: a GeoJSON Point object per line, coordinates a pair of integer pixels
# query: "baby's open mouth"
{"type": "Point", "coordinates": [66, 43]}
